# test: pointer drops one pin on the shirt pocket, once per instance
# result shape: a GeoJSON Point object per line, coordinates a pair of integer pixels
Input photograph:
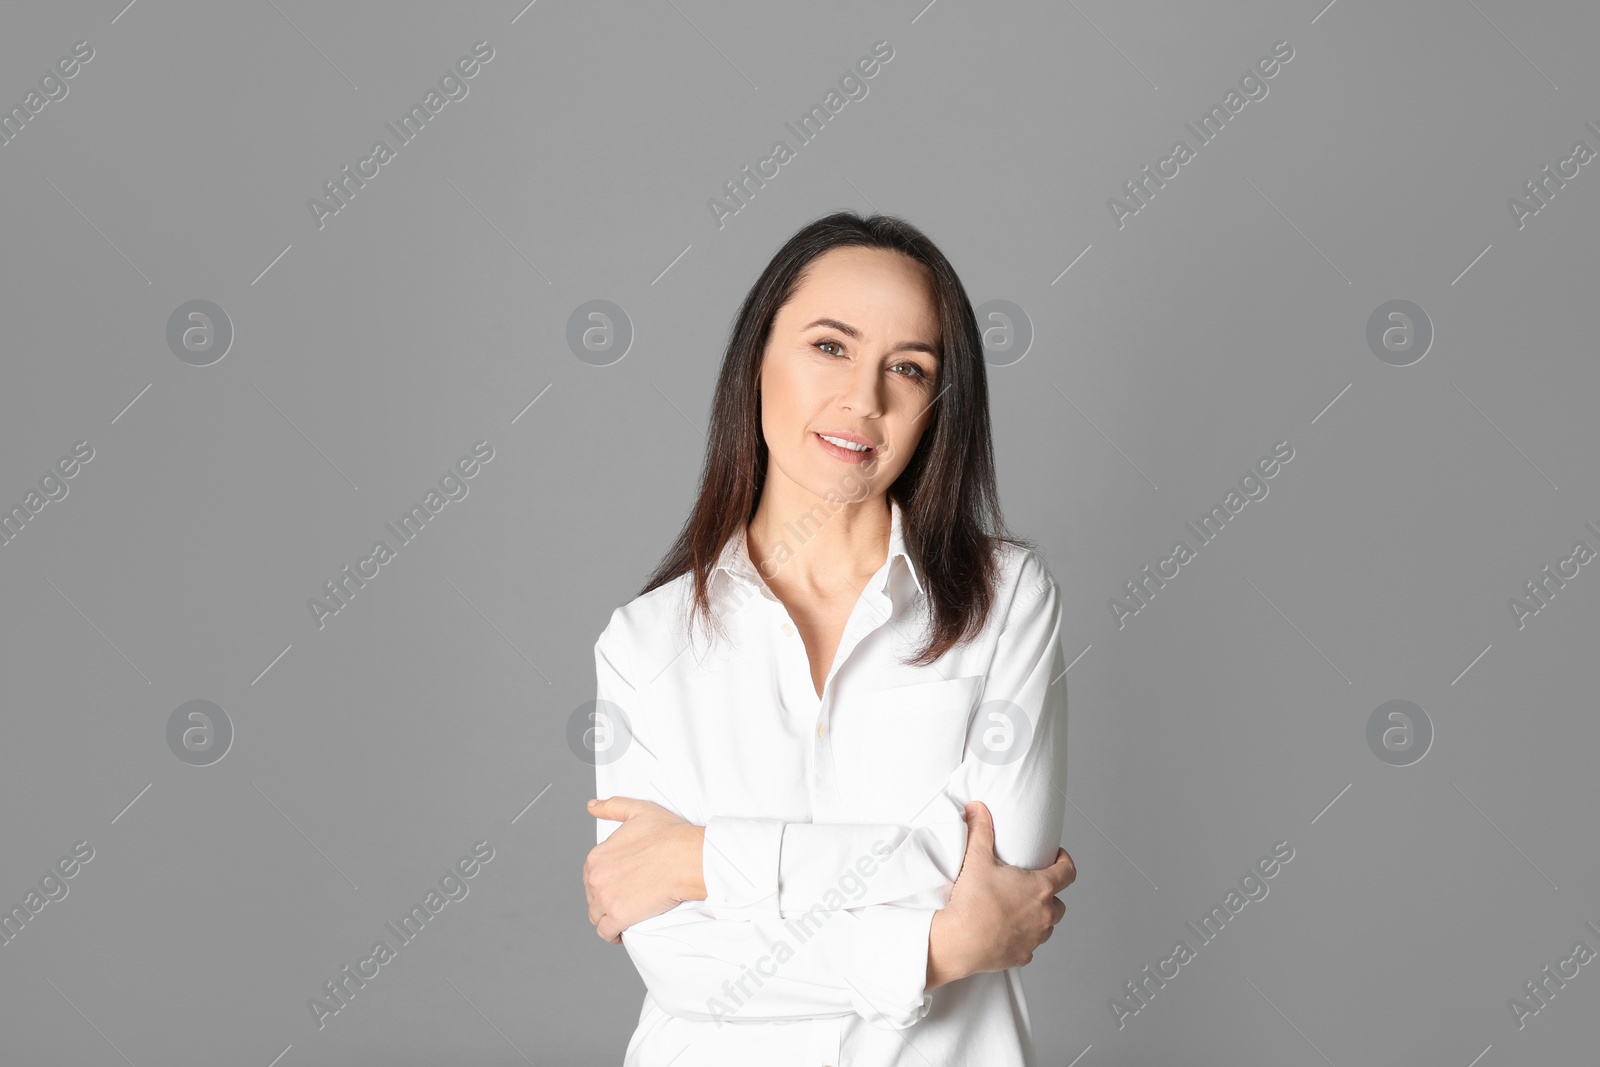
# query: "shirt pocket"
{"type": "Point", "coordinates": [897, 747]}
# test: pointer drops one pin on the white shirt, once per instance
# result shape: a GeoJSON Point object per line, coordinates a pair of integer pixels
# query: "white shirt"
{"type": "Point", "coordinates": [833, 825]}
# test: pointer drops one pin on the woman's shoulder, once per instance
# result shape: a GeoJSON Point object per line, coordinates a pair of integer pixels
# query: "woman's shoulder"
{"type": "Point", "coordinates": [650, 617]}
{"type": "Point", "coordinates": [1024, 572]}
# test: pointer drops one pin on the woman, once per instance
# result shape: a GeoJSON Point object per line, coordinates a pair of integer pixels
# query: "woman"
{"type": "Point", "coordinates": [783, 844]}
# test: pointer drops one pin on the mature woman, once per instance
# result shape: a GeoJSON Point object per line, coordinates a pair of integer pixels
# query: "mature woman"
{"type": "Point", "coordinates": [830, 833]}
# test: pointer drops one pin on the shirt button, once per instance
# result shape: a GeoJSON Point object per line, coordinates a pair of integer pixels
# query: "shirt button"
{"type": "Point", "coordinates": [822, 729]}
{"type": "Point", "coordinates": [788, 629]}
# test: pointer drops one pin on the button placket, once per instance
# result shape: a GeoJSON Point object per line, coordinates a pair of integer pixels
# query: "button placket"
{"type": "Point", "coordinates": [871, 614]}
{"type": "Point", "coordinates": [800, 694]}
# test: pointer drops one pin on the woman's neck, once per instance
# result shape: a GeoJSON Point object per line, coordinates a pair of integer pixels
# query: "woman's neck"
{"type": "Point", "coordinates": [811, 544]}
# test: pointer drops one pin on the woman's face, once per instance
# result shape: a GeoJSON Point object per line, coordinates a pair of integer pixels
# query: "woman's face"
{"type": "Point", "coordinates": [852, 355]}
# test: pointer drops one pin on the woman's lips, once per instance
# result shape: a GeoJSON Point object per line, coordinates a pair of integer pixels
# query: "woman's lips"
{"type": "Point", "coordinates": [844, 454]}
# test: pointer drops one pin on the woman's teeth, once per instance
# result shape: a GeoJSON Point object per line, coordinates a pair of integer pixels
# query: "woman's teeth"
{"type": "Point", "coordinates": [842, 443]}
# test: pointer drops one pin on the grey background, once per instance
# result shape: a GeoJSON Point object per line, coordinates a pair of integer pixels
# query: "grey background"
{"type": "Point", "coordinates": [369, 355]}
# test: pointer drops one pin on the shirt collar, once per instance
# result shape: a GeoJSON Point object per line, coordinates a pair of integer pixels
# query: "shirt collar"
{"type": "Point", "coordinates": [735, 557]}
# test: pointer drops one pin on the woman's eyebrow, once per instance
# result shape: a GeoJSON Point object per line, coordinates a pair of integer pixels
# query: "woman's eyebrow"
{"type": "Point", "coordinates": [855, 335]}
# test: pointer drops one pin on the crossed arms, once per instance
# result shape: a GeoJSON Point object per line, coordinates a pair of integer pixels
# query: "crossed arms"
{"type": "Point", "coordinates": [806, 920]}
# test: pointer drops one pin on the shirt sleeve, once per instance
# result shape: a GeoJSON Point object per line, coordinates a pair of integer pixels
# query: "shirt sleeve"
{"type": "Point", "coordinates": [764, 867]}
{"type": "Point", "coordinates": [868, 961]}
{"type": "Point", "coordinates": [700, 964]}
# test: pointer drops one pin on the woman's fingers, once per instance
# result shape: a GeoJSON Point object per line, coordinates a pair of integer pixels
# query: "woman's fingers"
{"type": "Point", "coordinates": [1063, 872]}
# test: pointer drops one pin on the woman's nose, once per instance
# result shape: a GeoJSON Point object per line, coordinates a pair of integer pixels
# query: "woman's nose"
{"type": "Point", "coordinates": [864, 396]}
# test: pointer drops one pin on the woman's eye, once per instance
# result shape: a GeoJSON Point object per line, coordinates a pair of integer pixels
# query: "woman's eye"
{"type": "Point", "coordinates": [917, 373]}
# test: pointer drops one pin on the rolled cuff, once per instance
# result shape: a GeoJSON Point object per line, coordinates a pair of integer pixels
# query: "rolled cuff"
{"type": "Point", "coordinates": [740, 863]}
{"type": "Point", "coordinates": [890, 967]}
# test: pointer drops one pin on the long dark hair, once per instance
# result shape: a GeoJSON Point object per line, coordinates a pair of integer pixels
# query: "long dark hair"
{"type": "Point", "coordinates": [950, 508]}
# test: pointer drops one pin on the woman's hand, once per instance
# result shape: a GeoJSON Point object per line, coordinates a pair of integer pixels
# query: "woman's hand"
{"type": "Point", "coordinates": [649, 865]}
{"type": "Point", "coordinates": [998, 914]}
